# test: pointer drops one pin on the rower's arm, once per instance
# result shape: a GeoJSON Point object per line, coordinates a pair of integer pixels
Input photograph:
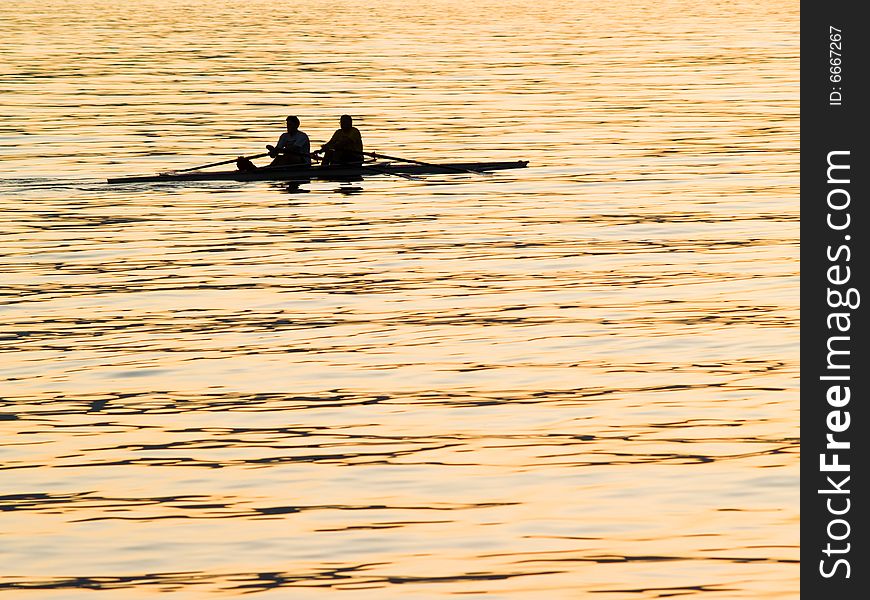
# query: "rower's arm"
{"type": "Point", "coordinates": [277, 148]}
{"type": "Point", "coordinates": [332, 141]}
{"type": "Point", "coordinates": [282, 147]}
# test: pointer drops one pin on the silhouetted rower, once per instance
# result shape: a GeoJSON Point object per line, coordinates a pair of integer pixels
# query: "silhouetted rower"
{"type": "Point", "coordinates": [345, 146]}
{"type": "Point", "coordinates": [293, 149]}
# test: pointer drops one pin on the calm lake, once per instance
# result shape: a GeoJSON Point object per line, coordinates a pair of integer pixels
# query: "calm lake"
{"type": "Point", "coordinates": [572, 381]}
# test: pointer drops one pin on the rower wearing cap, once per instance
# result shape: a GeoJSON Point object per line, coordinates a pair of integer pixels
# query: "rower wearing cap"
{"type": "Point", "coordinates": [292, 149]}
{"type": "Point", "coordinates": [345, 146]}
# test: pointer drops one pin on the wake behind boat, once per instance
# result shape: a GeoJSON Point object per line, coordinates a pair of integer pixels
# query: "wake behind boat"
{"type": "Point", "coordinates": [331, 172]}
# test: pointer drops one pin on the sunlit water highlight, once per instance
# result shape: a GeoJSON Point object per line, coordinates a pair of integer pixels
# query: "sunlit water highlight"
{"type": "Point", "coordinates": [577, 380]}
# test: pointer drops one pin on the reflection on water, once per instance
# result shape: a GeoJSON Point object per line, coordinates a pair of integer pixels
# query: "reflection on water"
{"type": "Point", "coordinates": [576, 380]}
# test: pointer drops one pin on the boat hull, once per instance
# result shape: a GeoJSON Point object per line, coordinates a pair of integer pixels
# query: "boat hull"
{"type": "Point", "coordinates": [326, 173]}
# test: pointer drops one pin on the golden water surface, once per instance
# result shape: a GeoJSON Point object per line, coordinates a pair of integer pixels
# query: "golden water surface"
{"type": "Point", "coordinates": [572, 381]}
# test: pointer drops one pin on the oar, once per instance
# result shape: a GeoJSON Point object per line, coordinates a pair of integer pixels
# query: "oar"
{"type": "Point", "coordinates": [385, 172]}
{"type": "Point", "coordinates": [425, 164]}
{"type": "Point", "coordinates": [373, 169]}
{"type": "Point", "coordinates": [217, 164]}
